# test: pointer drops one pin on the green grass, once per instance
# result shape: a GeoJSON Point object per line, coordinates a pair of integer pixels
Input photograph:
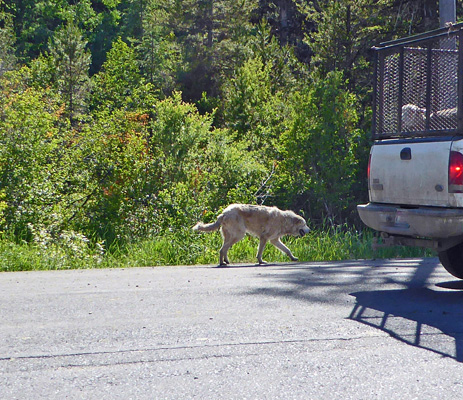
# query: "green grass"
{"type": "Point", "coordinates": [188, 248]}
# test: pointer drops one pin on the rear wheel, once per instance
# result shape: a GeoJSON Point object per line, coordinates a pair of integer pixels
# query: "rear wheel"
{"type": "Point", "coordinates": [452, 260]}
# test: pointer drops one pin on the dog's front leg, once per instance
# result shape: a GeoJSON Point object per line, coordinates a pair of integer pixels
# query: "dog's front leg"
{"type": "Point", "coordinates": [260, 251]}
{"type": "Point", "coordinates": [277, 243]}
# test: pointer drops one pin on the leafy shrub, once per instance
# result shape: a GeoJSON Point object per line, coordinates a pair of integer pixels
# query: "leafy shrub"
{"type": "Point", "coordinates": [30, 153]}
{"type": "Point", "coordinates": [318, 151]}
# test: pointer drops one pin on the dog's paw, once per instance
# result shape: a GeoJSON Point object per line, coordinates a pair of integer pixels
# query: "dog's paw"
{"type": "Point", "coordinates": [222, 265]}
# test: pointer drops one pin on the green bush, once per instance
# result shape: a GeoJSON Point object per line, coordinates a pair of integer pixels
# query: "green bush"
{"type": "Point", "coordinates": [318, 165]}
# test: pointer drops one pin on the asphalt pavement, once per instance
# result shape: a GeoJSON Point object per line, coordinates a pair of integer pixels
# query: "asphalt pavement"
{"type": "Point", "coordinates": [381, 329]}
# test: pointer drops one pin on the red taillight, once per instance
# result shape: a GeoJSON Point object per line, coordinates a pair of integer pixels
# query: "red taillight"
{"type": "Point", "coordinates": [456, 172]}
{"type": "Point", "coordinates": [368, 168]}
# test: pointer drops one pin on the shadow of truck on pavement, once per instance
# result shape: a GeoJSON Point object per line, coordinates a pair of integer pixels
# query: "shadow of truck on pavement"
{"type": "Point", "coordinates": [417, 316]}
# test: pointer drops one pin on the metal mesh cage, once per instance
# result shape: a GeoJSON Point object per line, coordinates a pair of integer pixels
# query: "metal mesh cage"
{"type": "Point", "coordinates": [417, 86]}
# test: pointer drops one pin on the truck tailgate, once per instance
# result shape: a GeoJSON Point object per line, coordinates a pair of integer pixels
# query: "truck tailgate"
{"type": "Point", "coordinates": [410, 173]}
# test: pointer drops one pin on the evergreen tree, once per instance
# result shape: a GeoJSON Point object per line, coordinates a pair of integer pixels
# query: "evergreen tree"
{"type": "Point", "coordinates": [289, 24]}
{"type": "Point", "coordinates": [72, 61]}
{"type": "Point", "coordinates": [7, 41]}
{"type": "Point", "coordinates": [115, 84]}
{"type": "Point", "coordinates": [211, 35]}
{"type": "Point", "coordinates": [160, 52]}
{"type": "Point", "coordinates": [345, 33]}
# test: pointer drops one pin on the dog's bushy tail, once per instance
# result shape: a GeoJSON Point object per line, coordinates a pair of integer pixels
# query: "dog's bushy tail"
{"type": "Point", "coordinates": [214, 226]}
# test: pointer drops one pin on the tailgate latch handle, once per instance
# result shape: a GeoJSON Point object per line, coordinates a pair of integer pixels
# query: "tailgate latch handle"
{"type": "Point", "coordinates": [406, 153]}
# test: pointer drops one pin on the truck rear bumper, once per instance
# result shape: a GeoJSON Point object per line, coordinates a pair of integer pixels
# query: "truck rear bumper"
{"type": "Point", "coordinates": [430, 222]}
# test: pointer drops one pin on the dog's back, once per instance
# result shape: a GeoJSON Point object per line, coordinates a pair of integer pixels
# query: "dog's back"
{"type": "Point", "coordinates": [254, 219]}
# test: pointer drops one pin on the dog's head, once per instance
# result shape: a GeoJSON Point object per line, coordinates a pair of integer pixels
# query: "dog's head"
{"type": "Point", "coordinates": [299, 226]}
{"type": "Point", "coordinates": [304, 231]}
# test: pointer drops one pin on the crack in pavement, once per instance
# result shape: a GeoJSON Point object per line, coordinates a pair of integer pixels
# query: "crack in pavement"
{"type": "Point", "coordinates": [191, 347]}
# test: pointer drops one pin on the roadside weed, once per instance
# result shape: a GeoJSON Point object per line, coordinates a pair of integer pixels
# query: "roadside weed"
{"type": "Point", "coordinates": [185, 247]}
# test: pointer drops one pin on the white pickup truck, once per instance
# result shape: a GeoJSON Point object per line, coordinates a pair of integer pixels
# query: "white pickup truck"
{"type": "Point", "coordinates": [415, 172]}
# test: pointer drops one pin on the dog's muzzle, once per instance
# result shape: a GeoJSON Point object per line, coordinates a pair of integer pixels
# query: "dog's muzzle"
{"type": "Point", "coordinates": [302, 232]}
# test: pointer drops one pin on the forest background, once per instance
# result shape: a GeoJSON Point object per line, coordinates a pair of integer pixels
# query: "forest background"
{"type": "Point", "coordinates": [122, 123]}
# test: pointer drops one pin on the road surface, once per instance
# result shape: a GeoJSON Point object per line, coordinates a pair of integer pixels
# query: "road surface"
{"type": "Point", "coordinates": [382, 329]}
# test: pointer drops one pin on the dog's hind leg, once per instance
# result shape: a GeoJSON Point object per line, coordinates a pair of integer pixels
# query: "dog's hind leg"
{"type": "Point", "coordinates": [229, 239]}
{"type": "Point", "coordinates": [277, 243]}
{"type": "Point", "coordinates": [260, 250]}
{"type": "Point", "coordinates": [223, 259]}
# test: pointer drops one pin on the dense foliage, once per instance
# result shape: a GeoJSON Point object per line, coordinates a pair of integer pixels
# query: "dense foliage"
{"type": "Point", "coordinates": [122, 120]}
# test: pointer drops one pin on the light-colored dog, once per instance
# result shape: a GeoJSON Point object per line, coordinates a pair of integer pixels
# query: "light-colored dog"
{"type": "Point", "coordinates": [269, 224]}
{"type": "Point", "coordinates": [413, 118]}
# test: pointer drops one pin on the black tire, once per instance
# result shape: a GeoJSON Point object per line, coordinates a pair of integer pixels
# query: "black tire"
{"type": "Point", "coordinates": [452, 260]}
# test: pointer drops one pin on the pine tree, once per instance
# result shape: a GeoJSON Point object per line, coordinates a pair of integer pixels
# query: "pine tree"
{"type": "Point", "coordinates": [159, 50]}
{"type": "Point", "coordinates": [7, 39]}
{"type": "Point", "coordinates": [72, 61]}
{"type": "Point", "coordinates": [197, 42]}
{"type": "Point", "coordinates": [115, 84]}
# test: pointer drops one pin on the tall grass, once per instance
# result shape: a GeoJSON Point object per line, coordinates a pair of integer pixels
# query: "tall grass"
{"type": "Point", "coordinates": [189, 248]}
